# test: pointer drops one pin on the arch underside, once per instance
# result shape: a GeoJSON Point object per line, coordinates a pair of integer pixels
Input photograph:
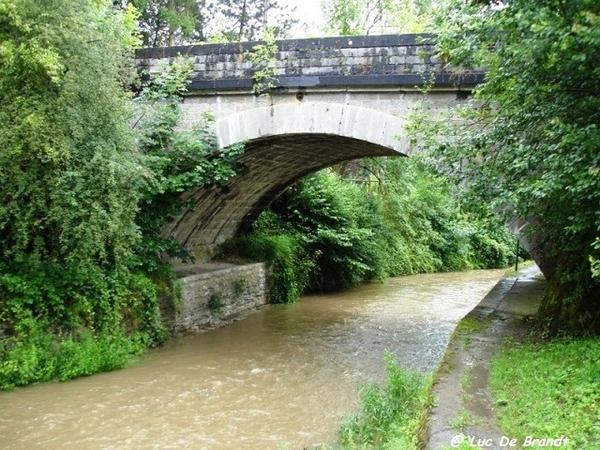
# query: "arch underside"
{"type": "Point", "coordinates": [273, 163]}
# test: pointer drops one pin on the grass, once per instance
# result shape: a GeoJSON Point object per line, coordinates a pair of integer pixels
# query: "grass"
{"type": "Point", "coordinates": [463, 419]}
{"type": "Point", "coordinates": [471, 324]}
{"type": "Point", "coordinates": [467, 380]}
{"type": "Point", "coordinates": [549, 390]}
{"type": "Point", "coordinates": [392, 416]}
{"type": "Point", "coordinates": [38, 355]}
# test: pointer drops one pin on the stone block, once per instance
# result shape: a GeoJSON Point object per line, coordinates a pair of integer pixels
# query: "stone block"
{"type": "Point", "coordinates": [213, 294]}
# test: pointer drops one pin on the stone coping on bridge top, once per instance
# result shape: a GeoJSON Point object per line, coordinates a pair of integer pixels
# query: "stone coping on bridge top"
{"type": "Point", "coordinates": [303, 44]}
{"type": "Point", "coordinates": [406, 60]}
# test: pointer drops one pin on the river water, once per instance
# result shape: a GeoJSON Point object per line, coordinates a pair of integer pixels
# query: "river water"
{"type": "Point", "coordinates": [283, 378]}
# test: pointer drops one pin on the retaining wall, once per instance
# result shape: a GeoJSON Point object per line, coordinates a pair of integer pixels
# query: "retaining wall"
{"type": "Point", "coordinates": [215, 294]}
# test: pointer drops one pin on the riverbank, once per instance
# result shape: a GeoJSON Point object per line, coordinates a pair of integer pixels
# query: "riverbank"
{"type": "Point", "coordinates": [463, 405]}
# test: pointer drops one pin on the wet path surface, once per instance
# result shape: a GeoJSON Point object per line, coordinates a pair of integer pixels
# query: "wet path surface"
{"type": "Point", "coordinates": [285, 377]}
{"type": "Point", "coordinates": [464, 410]}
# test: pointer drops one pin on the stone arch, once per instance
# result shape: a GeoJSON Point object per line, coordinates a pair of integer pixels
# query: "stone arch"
{"type": "Point", "coordinates": [283, 144]}
{"type": "Point", "coordinates": [299, 117]}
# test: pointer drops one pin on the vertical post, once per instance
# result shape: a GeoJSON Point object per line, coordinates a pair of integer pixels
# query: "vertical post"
{"type": "Point", "coordinates": [517, 257]}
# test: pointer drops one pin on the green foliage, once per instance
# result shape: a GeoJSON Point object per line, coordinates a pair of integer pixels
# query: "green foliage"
{"type": "Point", "coordinates": [83, 196]}
{"type": "Point", "coordinates": [549, 389]}
{"type": "Point", "coordinates": [288, 265]}
{"type": "Point", "coordinates": [166, 22]}
{"type": "Point", "coordinates": [178, 161]}
{"type": "Point", "coordinates": [178, 22]}
{"type": "Point", "coordinates": [70, 171]}
{"type": "Point", "coordinates": [595, 263]}
{"type": "Point", "coordinates": [391, 416]}
{"type": "Point", "coordinates": [533, 130]}
{"type": "Point", "coordinates": [325, 233]}
{"type": "Point", "coordinates": [338, 228]}
{"type": "Point", "coordinates": [430, 226]}
{"type": "Point", "coordinates": [69, 191]}
{"type": "Point", "coordinates": [263, 57]}
{"type": "Point", "coordinates": [215, 303]}
{"type": "Point", "coordinates": [239, 286]}
{"type": "Point", "coordinates": [73, 296]}
{"type": "Point", "coordinates": [365, 17]}
{"type": "Point", "coordinates": [35, 354]}
{"type": "Point", "coordinates": [246, 20]}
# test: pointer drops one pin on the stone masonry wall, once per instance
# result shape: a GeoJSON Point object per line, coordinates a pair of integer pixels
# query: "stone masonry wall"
{"type": "Point", "coordinates": [227, 66]}
{"type": "Point", "coordinates": [213, 294]}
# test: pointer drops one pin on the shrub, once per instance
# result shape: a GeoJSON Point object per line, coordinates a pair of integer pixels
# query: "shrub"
{"type": "Point", "coordinates": [288, 266]}
{"type": "Point", "coordinates": [35, 353]}
{"type": "Point", "coordinates": [325, 233]}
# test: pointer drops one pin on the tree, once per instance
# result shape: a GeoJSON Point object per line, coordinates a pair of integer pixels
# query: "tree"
{"type": "Point", "coordinates": [533, 130]}
{"type": "Point", "coordinates": [360, 17]}
{"type": "Point", "coordinates": [178, 22]}
{"type": "Point", "coordinates": [83, 193]}
{"type": "Point", "coordinates": [68, 190]}
{"type": "Point", "coordinates": [70, 178]}
{"type": "Point", "coordinates": [170, 22]}
{"type": "Point", "coordinates": [248, 20]}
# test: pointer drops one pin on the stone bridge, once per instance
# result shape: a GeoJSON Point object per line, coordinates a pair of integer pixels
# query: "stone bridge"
{"type": "Point", "coordinates": [332, 100]}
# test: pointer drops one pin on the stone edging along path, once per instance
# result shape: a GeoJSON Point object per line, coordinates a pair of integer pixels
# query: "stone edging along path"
{"type": "Point", "coordinates": [463, 404]}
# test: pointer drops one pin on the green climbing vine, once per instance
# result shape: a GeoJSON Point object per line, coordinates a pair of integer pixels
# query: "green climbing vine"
{"type": "Point", "coordinates": [263, 57]}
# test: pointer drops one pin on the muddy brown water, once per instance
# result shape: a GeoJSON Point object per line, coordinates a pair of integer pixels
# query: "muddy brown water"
{"type": "Point", "coordinates": [283, 378]}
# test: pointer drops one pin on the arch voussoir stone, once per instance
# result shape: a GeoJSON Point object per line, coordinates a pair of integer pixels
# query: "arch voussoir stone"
{"type": "Point", "coordinates": [350, 121]}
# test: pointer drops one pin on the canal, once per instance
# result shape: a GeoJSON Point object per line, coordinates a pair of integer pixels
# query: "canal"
{"type": "Point", "coordinates": [283, 378]}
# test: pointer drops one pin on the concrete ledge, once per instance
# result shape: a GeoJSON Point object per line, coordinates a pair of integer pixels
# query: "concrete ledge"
{"type": "Point", "coordinates": [461, 385]}
{"type": "Point", "coordinates": [520, 296]}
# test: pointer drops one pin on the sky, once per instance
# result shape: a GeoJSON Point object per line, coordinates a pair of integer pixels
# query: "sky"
{"type": "Point", "coordinates": [308, 11]}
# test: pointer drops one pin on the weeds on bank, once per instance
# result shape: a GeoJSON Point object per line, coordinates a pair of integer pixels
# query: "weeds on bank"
{"type": "Point", "coordinates": [469, 326]}
{"type": "Point", "coordinates": [391, 416]}
{"type": "Point", "coordinates": [463, 419]}
{"type": "Point", "coordinates": [549, 390]}
{"type": "Point", "coordinates": [38, 355]}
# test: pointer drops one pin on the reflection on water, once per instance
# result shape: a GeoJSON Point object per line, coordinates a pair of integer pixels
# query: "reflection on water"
{"type": "Point", "coordinates": [285, 377]}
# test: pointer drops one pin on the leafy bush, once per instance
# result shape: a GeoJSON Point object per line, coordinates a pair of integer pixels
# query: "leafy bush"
{"type": "Point", "coordinates": [338, 227]}
{"type": "Point", "coordinates": [325, 233]}
{"type": "Point", "coordinates": [36, 353]}
{"type": "Point", "coordinates": [177, 162]}
{"type": "Point", "coordinates": [437, 222]}
{"type": "Point", "coordinates": [288, 265]}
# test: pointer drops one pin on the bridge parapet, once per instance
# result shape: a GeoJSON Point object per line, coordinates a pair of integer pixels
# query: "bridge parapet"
{"type": "Point", "coordinates": [389, 60]}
